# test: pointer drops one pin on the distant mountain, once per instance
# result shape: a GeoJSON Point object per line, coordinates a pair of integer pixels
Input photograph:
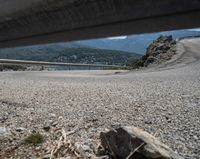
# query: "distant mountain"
{"type": "Point", "coordinates": [38, 52]}
{"type": "Point", "coordinates": [69, 52]}
{"type": "Point", "coordinates": [96, 56]}
{"type": "Point", "coordinates": [135, 43]}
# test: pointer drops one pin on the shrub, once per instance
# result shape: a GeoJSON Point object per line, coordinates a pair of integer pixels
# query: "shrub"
{"type": "Point", "coordinates": [12, 67]}
{"type": "Point", "coordinates": [35, 138]}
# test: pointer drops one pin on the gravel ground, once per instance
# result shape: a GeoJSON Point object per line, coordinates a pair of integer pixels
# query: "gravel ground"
{"type": "Point", "coordinates": [164, 100]}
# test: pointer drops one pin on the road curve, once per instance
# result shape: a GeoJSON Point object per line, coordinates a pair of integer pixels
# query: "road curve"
{"type": "Point", "coordinates": [164, 99]}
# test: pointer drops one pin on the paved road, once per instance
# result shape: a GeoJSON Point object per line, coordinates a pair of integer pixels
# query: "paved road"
{"type": "Point", "coordinates": [164, 99]}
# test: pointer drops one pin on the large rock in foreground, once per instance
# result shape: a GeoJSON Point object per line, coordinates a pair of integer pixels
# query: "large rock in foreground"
{"type": "Point", "coordinates": [134, 143]}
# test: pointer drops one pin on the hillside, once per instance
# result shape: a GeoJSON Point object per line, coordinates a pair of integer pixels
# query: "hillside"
{"type": "Point", "coordinates": [71, 53]}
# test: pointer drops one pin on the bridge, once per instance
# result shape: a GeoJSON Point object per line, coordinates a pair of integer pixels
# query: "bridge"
{"type": "Point", "coordinates": [29, 22]}
{"type": "Point", "coordinates": [23, 62]}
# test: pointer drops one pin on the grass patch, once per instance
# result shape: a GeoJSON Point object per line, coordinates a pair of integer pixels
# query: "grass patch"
{"type": "Point", "coordinates": [34, 139]}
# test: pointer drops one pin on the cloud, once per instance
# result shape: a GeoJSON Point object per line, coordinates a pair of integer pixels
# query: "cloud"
{"type": "Point", "coordinates": [117, 37]}
{"type": "Point", "coordinates": [195, 29]}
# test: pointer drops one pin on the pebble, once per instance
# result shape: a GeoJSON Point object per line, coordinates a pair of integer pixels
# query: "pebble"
{"type": "Point", "coordinates": [60, 117]}
{"type": "Point", "coordinates": [148, 121]}
{"type": "Point", "coordinates": [86, 148]}
{"type": "Point", "coordinates": [54, 123]}
{"type": "Point", "coordinates": [20, 129]}
{"type": "Point", "coordinates": [51, 115]}
{"type": "Point", "coordinates": [47, 156]}
{"type": "Point", "coordinates": [47, 127]}
{"type": "Point", "coordinates": [195, 137]}
{"type": "Point", "coordinates": [3, 131]}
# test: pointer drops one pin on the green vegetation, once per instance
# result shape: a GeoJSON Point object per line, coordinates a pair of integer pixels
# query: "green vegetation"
{"type": "Point", "coordinates": [12, 67]}
{"type": "Point", "coordinates": [55, 53]}
{"type": "Point", "coordinates": [137, 63]}
{"type": "Point", "coordinates": [35, 138]}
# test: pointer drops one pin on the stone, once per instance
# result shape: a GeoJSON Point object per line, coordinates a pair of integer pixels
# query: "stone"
{"type": "Point", "coordinates": [47, 127]}
{"type": "Point", "coordinates": [51, 115]}
{"type": "Point", "coordinates": [47, 156]}
{"type": "Point", "coordinates": [54, 123]}
{"type": "Point", "coordinates": [99, 151]}
{"type": "Point", "coordinates": [20, 129]}
{"type": "Point", "coordinates": [3, 131]}
{"type": "Point", "coordinates": [86, 148]}
{"type": "Point", "coordinates": [195, 137]}
{"type": "Point", "coordinates": [60, 118]}
{"type": "Point", "coordinates": [148, 121]}
{"type": "Point", "coordinates": [100, 157]}
{"type": "Point", "coordinates": [150, 60]}
{"type": "Point", "coordinates": [134, 143]}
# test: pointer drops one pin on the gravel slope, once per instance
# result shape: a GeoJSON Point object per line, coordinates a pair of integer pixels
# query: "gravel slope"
{"type": "Point", "coordinates": [164, 99]}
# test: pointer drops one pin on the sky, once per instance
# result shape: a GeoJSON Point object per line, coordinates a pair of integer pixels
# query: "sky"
{"type": "Point", "coordinates": [196, 29]}
{"type": "Point", "coordinates": [124, 37]}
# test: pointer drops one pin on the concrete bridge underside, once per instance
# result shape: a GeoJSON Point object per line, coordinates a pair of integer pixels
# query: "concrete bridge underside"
{"type": "Point", "coordinates": [28, 22]}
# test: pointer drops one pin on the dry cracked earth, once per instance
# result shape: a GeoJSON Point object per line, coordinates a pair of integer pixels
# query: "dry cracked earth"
{"type": "Point", "coordinates": [163, 100]}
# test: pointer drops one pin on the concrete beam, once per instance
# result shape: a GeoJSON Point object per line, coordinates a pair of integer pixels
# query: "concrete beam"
{"type": "Point", "coordinates": [28, 22]}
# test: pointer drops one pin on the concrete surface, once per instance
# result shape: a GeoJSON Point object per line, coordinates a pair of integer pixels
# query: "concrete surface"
{"type": "Point", "coordinates": [27, 22]}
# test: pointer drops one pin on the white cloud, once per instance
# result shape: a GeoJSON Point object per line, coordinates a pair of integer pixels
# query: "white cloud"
{"type": "Point", "coordinates": [195, 29]}
{"type": "Point", "coordinates": [117, 37]}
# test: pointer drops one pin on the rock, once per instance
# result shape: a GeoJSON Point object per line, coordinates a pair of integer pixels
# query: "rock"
{"type": "Point", "coordinates": [150, 60]}
{"type": "Point", "coordinates": [195, 137]}
{"type": "Point", "coordinates": [100, 151]}
{"type": "Point", "coordinates": [51, 115]}
{"type": "Point", "coordinates": [3, 119]}
{"type": "Point", "coordinates": [47, 156]}
{"type": "Point", "coordinates": [134, 143]}
{"type": "Point", "coordinates": [160, 50]}
{"type": "Point", "coordinates": [101, 157]}
{"type": "Point", "coordinates": [20, 129]}
{"type": "Point", "coordinates": [54, 123]}
{"type": "Point", "coordinates": [60, 118]}
{"type": "Point", "coordinates": [33, 131]}
{"type": "Point", "coordinates": [47, 127]}
{"type": "Point", "coordinates": [50, 121]}
{"type": "Point", "coordinates": [148, 121]}
{"type": "Point", "coordinates": [3, 131]}
{"type": "Point", "coordinates": [86, 148]}
{"type": "Point", "coordinates": [68, 157]}
{"type": "Point", "coordinates": [168, 119]}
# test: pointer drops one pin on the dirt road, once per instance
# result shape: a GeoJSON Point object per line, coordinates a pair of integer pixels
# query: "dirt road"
{"type": "Point", "coordinates": [164, 99]}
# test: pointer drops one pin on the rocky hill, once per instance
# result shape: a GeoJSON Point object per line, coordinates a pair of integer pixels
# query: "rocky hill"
{"type": "Point", "coordinates": [160, 50]}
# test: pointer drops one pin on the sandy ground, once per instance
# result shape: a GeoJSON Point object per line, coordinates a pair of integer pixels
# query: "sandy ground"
{"type": "Point", "coordinates": [163, 99]}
